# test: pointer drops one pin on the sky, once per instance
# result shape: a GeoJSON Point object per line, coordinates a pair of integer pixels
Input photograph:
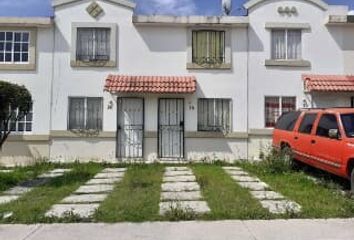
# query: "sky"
{"type": "Point", "coordinates": [40, 8]}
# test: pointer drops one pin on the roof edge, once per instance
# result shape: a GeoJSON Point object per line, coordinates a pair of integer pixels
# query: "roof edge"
{"type": "Point", "coordinates": [125, 3]}
{"type": "Point", "coordinates": [321, 4]}
{"type": "Point", "coordinates": [26, 21]}
{"type": "Point", "coordinates": [168, 20]}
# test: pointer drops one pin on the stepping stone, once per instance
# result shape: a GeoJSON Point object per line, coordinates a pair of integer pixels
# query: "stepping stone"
{"type": "Point", "coordinates": [232, 168]}
{"type": "Point", "coordinates": [17, 190]}
{"type": "Point", "coordinates": [109, 175]}
{"type": "Point", "coordinates": [266, 195]}
{"type": "Point", "coordinates": [6, 171]}
{"type": "Point", "coordinates": [198, 207]}
{"type": "Point", "coordinates": [50, 175]}
{"type": "Point", "coordinates": [61, 170]}
{"type": "Point", "coordinates": [81, 210]}
{"type": "Point", "coordinates": [236, 173]}
{"type": "Point", "coordinates": [171, 169]}
{"type": "Point", "coordinates": [97, 181]}
{"type": "Point", "coordinates": [7, 199]}
{"type": "Point", "coordinates": [102, 188]}
{"type": "Point", "coordinates": [180, 187]}
{"type": "Point", "coordinates": [255, 186]}
{"type": "Point", "coordinates": [113, 170]}
{"type": "Point", "coordinates": [244, 178]}
{"type": "Point", "coordinates": [281, 206]}
{"type": "Point", "coordinates": [85, 198]}
{"type": "Point", "coordinates": [180, 179]}
{"type": "Point", "coordinates": [178, 173]}
{"type": "Point", "coordinates": [178, 196]}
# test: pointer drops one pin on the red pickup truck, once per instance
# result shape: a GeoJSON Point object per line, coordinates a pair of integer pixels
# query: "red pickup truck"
{"type": "Point", "coordinates": [323, 138]}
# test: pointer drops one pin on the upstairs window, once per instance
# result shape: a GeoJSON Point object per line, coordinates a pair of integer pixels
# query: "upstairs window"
{"type": "Point", "coordinates": [275, 107]}
{"type": "Point", "coordinates": [93, 44]}
{"type": "Point", "coordinates": [85, 113]}
{"type": "Point", "coordinates": [208, 47]}
{"type": "Point", "coordinates": [214, 115]}
{"type": "Point", "coordinates": [14, 47]}
{"type": "Point", "coordinates": [286, 44]}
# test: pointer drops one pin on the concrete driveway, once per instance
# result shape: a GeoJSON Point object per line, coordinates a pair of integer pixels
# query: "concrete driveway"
{"type": "Point", "coordinates": [225, 230]}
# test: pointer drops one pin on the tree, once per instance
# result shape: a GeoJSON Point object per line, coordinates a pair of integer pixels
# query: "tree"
{"type": "Point", "coordinates": [12, 96]}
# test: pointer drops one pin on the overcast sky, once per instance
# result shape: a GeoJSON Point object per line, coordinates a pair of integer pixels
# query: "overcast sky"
{"type": "Point", "coordinates": [174, 7]}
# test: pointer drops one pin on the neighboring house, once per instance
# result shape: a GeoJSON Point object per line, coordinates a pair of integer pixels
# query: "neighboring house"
{"type": "Point", "coordinates": [110, 85]}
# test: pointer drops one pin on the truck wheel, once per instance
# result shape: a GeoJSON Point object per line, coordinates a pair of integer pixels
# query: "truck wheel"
{"type": "Point", "coordinates": [352, 181]}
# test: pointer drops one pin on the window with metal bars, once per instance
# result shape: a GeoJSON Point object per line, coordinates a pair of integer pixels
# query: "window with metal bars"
{"type": "Point", "coordinates": [20, 122]}
{"type": "Point", "coordinates": [85, 113]}
{"type": "Point", "coordinates": [14, 46]}
{"type": "Point", "coordinates": [93, 44]}
{"type": "Point", "coordinates": [276, 106]}
{"type": "Point", "coordinates": [214, 115]}
{"type": "Point", "coordinates": [208, 47]}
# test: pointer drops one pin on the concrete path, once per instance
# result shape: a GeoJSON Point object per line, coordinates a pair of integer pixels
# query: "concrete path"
{"type": "Point", "coordinates": [87, 198]}
{"type": "Point", "coordinates": [16, 192]}
{"type": "Point", "coordinates": [181, 191]}
{"type": "Point", "coordinates": [334, 229]}
{"type": "Point", "coordinates": [273, 201]}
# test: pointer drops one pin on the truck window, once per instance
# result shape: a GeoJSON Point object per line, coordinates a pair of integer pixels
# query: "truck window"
{"type": "Point", "coordinates": [287, 121]}
{"type": "Point", "coordinates": [307, 123]}
{"type": "Point", "coordinates": [327, 122]}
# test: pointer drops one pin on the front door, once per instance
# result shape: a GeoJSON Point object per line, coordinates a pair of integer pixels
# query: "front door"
{"type": "Point", "coordinates": [171, 128]}
{"type": "Point", "coordinates": [130, 134]}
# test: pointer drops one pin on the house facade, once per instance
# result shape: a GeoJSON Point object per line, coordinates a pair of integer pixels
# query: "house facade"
{"type": "Point", "coordinates": [111, 85]}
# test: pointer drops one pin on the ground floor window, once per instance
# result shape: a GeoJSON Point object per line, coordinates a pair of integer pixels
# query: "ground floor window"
{"type": "Point", "coordinates": [85, 113]}
{"type": "Point", "coordinates": [276, 106]}
{"type": "Point", "coordinates": [24, 121]}
{"type": "Point", "coordinates": [214, 115]}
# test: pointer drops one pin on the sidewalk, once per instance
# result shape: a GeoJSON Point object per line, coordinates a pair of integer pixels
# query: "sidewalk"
{"type": "Point", "coordinates": [223, 230]}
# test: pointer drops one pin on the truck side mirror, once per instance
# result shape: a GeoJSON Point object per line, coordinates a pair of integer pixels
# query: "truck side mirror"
{"type": "Point", "coordinates": [333, 133]}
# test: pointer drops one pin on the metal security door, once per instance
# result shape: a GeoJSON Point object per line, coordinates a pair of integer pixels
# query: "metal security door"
{"type": "Point", "coordinates": [130, 134]}
{"type": "Point", "coordinates": [171, 128]}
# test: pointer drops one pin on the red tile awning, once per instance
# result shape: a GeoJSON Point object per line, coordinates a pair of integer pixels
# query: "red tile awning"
{"type": "Point", "coordinates": [150, 84]}
{"type": "Point", "coordinates": [328, 83]}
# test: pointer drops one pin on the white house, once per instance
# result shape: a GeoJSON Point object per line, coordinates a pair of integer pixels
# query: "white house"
{"type": "Point", "coordinates": [111, 85]}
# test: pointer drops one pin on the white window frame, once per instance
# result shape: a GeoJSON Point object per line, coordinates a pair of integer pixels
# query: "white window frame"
{"type": "Point", "coordinates": [286, 32]}
{"type": "Point", "coordinates": [74, 62]}
{"type": "Point", "coordinates": [85, 112]}
{"type": "Point", "coordinates": [24, 121]}
{"type": "Point", "coordinates": [280, 101]}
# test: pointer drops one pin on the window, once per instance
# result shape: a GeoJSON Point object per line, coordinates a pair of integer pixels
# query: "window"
{"type": "Point", "coordinates": [208, 47]}
{"type": "Point", "coordinates": [327, 122]}
{"type": "Point", "coordinates": [348, 124]}
{"type": "Point", "coordinates": [85, 113]}
{"type": "Point", "coordinates": [93, 44]}
{"type": "Point", "coordinates": [14, 47]}
{"type": "Point", "coordinates": [214, 115]}
{"type": "Point", "coordinates": [307, 123]}
{"type": "Point", "coordinates": [287, 121]}
{"type": "Point", "coordinates": [276, 106]}
{"type": "Point", "coordinates": [286, 44]}
{"type": "Point", "coordinates": [23, 123]}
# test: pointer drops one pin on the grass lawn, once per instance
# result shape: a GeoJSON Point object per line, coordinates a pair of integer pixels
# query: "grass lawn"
{"type": "Point", "coordinates": [136, 198]}
{"type": "Point", "coordinates": [31, 207]}
{"type": "Point", "coordinates": [318, 200]}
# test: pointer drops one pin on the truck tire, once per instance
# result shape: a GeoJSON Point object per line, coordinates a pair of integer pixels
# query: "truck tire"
{"type": "Point", "coordinates": [352, 181]}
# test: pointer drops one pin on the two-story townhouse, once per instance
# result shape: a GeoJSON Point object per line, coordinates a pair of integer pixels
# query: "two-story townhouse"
{"type": "Point", "coordinates": [124, 86]}
{"type": "Point", "coordinates": [26, 47]}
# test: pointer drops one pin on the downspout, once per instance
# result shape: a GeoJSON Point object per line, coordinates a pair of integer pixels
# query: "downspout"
{"type": "Point", "coordinates": [52, 90]}
{"type": "Point", "coordinates": [248, 90]}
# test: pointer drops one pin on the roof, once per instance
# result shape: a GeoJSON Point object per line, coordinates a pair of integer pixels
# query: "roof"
{"type": "Point", "coordinates": [26, 21]}
{"type": "Point", "coordinates": [329, 83]}
{"type": "Point", "coordinates": [163, 20]}
{"type": "Point", "coordinates": [125, 3]}
{"type": "Point", "coordinates": [150, 84]}
{"type": "Point", "coordinates": [252, 3]}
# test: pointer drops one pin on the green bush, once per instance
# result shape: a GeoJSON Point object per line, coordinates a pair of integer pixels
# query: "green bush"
{"type": "Point", "coordinates": [277, 161]}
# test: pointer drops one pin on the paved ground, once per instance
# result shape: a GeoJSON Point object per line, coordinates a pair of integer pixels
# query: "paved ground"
{"type": "Point", "coordinates": [221, 230]}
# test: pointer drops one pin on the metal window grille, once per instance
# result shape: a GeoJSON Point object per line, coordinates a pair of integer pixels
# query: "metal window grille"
{"type": "Point", "coordinates": [214, 115]}
{"type": "Point", "coordinates": [14, 47]}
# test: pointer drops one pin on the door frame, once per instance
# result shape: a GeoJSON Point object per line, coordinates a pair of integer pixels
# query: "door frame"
{"type": "Point", "coordinates": [158, 128]}
{"type": "Point", "coordinates": [143, 128]}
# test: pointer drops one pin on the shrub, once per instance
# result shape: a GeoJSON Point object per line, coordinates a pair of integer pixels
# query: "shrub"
{"type": "Point", "coordinates": [275, 161]}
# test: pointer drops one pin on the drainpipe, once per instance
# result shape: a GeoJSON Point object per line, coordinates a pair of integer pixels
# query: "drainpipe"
{"type": "Point", "coordinates": [52, 90]}
{"type": "Point", "coordinates": [248, 90]}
